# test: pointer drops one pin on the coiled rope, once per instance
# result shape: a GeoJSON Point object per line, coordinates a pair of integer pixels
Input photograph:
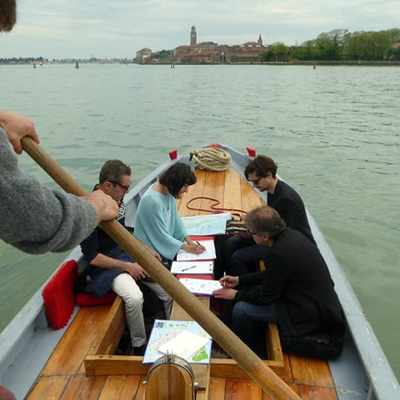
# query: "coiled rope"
{"type": "Point", "coordinates": [236, 212]}
{"type": "Point", "coordinates": [211, 159]}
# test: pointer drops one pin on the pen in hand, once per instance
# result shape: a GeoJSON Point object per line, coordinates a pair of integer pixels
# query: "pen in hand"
{"type": "Point", "coordinates": [199, 244]}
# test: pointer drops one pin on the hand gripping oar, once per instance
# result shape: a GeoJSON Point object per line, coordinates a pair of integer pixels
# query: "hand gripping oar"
{"type": "Point", "coordinates": [245, 357]}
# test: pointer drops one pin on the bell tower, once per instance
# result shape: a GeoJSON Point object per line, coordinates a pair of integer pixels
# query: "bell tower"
{"type": "Point", "coordinates": [193, 36]}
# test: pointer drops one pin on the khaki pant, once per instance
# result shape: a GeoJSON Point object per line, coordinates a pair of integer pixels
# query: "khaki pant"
{"type": "Point", "coordinates": [126, 287]}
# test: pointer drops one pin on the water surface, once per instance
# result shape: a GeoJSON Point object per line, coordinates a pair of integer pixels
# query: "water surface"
{"type": "Point", "coordinates": [334, 132]}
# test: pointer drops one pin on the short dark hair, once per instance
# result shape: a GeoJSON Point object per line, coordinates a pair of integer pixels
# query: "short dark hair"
{"type": "Point", "coordinates": [261, 165]}
{"type": "Point", "coordinates": [265, 220]}
{"type": "Point", "coordinates": [112, 170]}
{"type": "Point", "coordinates": [8, 14]}
{"type": "Point", "coordinates": [177, 176]}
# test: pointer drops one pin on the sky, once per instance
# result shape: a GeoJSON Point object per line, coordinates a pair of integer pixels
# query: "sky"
{"type": "Point", "coordinates": [118, 28]}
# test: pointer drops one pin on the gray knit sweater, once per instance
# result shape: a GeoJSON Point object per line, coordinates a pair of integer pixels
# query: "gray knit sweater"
{"type": "Point", "coordinates": [35, 219]}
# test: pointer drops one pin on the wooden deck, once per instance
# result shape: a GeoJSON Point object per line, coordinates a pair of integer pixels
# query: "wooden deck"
{"type": "Point", "coordinates": [95, 331]}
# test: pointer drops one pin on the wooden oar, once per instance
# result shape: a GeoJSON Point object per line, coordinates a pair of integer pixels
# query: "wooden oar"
{"type": "Point", "coordinates": [245, 357]}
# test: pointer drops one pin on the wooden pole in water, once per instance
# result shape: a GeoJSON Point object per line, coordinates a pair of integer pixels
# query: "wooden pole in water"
{"type": "Point", "coordinates": [245, 357]}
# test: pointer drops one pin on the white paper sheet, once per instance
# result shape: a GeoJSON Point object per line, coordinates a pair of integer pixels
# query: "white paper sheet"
{"type": "Point", "coordinates": [192, 267]}
{"type": "Point", "coordinates": [200, 286]}
{"type": "Point", "coordinates": [208, 253]}
{"type": "Point", "coordinates": [165, 330]}
{"type": "Point", "coordinates": [184, 345]}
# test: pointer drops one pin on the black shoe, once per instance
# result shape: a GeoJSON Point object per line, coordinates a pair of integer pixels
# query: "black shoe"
{"type": "Point", "coordinates": [139, 351]}
{"type": "Point", "coordinates": [124, 344]}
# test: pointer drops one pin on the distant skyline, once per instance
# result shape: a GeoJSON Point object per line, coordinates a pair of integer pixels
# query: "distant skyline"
{"type": "Point", "coordinates": [118, 28]}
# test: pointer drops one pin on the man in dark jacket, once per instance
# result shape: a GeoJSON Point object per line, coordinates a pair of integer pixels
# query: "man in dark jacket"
{"type": "Point", "coordinates": [295, 290]}
{"type": "Point", "coordinates": [261, 172]}
{"type": "Point", "coordinates": [111, 268]}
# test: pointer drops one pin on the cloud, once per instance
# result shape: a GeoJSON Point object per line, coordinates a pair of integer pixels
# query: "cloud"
{"type": "Point", "coordinates": [118, 28]}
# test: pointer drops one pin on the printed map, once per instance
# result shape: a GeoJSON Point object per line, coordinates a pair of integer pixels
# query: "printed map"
{"type": "Point", "coordinates": [164, 331]}
{"type": "Point", "coordinates": [211, 224]}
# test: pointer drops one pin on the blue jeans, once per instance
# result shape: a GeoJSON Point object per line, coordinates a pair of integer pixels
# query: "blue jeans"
{"type": "Point", "coordinates": [249, 324]}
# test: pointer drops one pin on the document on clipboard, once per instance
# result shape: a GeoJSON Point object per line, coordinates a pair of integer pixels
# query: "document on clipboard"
{"type": "Point", "coordinates": [192, 267]}
{"type": "Point", "coordinates": [200, 286]}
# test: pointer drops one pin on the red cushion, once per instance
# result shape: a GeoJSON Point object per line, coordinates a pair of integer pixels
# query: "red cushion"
{"type": "Point", "coordinates": [88, 300]}
{"type": "Point", "coordinates": [58, 295]}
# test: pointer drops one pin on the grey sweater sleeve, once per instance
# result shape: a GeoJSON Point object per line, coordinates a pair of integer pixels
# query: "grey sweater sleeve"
{"type": "Point", "coordinates": [35, 219]}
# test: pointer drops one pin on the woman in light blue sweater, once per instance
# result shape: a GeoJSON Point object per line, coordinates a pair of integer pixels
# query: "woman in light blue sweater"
{"type": "Point", "coordinates": [158, 224]}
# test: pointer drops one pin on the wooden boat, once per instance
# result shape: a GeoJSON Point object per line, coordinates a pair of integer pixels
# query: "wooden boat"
{"type": "Point", "coordinates": [78, 362]}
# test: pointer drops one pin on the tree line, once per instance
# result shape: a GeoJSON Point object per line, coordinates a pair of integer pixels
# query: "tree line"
{"type": "Point", "coordinates": [23, 60]}
{"type": "Point", "coordinates": [340, 44]}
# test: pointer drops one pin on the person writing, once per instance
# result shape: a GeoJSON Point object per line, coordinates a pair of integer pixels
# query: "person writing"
{"type": "Point", "coordinates": [261, 172]}
{"type": "Point", "coordinates": [295, 291]}
{"type": "Point", "coordinates": [158, 224]}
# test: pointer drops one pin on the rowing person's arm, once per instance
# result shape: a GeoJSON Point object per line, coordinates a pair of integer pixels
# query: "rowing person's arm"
{"type": "Point", "coordinates": [38, 220]}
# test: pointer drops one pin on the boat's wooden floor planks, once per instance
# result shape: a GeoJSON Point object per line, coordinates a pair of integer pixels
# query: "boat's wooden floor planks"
{"type": "Point", "coordinates": [77, 341]}
{"type": "Point", "coordinates": [49, 387]}
{"type": "Point", "coordinates": [193, 191]}
{"type": "Point", "coordinates": [310, 371]}
{"type": "Point", "coordinates": [63, 377]}
{"type": "Point", "coordinates": [82, 387]}
{"type": "Point", "coordinates": [238, 389]}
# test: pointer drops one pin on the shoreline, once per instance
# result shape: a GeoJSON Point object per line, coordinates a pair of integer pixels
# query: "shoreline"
{"type": "Point", "coordinates": [266, 63]}
{"type": "Point", "coordinates": [302, 63]}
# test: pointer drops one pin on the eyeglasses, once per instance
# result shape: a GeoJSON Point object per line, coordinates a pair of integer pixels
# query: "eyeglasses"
{"type": "Point", "coordinates": [251, 233]}
{"type": "Point", "coordinates": [121, 185]}
{"type": "Point", "coordinates": [255, 181]}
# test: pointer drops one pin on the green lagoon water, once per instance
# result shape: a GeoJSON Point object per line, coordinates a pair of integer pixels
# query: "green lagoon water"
{"type": "Point", "coordinates": [334, 131]}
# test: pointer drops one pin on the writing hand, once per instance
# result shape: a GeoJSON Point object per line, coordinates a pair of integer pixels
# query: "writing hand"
{"type": "Point", "coordinates": [197, 248]}
{"type": "Point", "coordinates": [201, 246]}
{"type": "Point", "coordinates": [229, 281]}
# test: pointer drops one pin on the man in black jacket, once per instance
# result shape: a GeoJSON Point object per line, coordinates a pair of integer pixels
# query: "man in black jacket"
{"type": "Point", "coordinates": [261, 172]}
{"type": "Point", "coordinates": [295, 290]}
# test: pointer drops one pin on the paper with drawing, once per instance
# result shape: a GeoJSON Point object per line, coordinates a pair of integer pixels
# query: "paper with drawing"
{"type": "Point", "coordinates": [208, 253]}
